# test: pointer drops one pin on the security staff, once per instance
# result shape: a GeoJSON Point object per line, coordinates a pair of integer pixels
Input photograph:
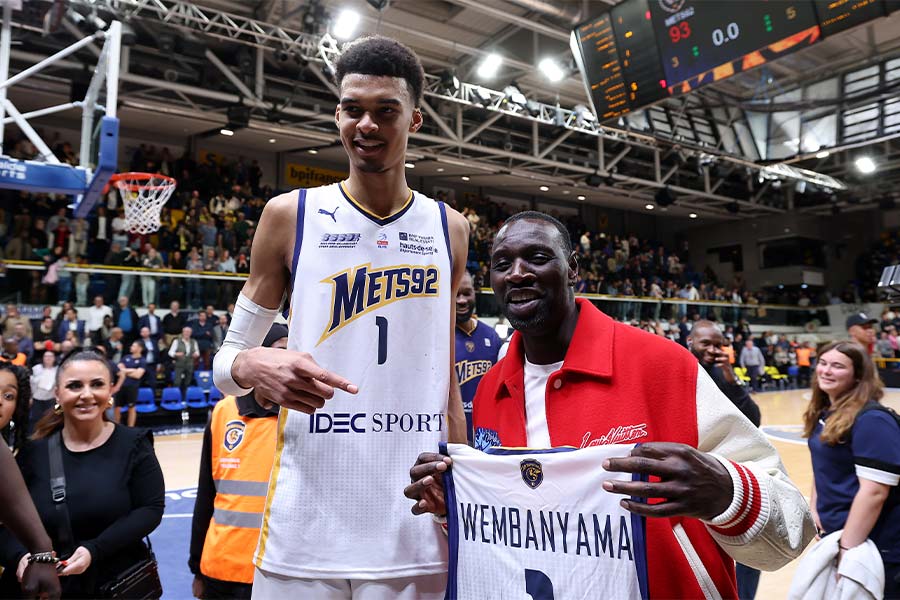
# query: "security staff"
{"type": "Point", "coordinates": [237, 455]}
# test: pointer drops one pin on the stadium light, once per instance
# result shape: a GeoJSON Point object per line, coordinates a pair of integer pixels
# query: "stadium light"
{"type": "Point", "coordinates": [345, 25]}
{"type": "Point", "coordinates": [226, 132]}
{"type": "Point", "coordinates": [515, 96]}
{"type": "Point", "coordinates": [865, 165]}
{"type": "Point", "coordinates": [489, 66]}
{"type": "Point", "coordinates": [551, 70]}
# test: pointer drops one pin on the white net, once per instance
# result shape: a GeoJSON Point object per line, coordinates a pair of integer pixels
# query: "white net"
{"type": "Point", "coordinates": [143, 196]}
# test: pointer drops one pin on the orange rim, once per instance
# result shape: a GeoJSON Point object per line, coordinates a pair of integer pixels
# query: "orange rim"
{"type": "Point", "coordinates": [132, 182]}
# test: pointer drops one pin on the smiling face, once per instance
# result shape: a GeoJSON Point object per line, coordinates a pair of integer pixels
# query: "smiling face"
{"type": "Point", "coordinates": [375, 117]}
{"type": "Point", "coordinates": [83, 390]}
{"type": "Point", "coordinates": [835, 374]}
{"type": "Point", "coordinates": [9, 397]}
{"type": "Point", "coordinates": [705, 343]}
{"type": "Point", "coordinates": [465, 299]}
{"type": "Point", "coordinates": [531, 276]}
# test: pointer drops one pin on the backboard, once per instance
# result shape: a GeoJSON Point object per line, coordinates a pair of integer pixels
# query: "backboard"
{"type": "Point", "coordinates": [99, 140]}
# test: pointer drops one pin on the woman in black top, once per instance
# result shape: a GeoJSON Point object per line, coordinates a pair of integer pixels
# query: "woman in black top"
{"type": "Point", "coordinates": [115, 492]}
{"type": "Point", "coordinates": [15, 398]}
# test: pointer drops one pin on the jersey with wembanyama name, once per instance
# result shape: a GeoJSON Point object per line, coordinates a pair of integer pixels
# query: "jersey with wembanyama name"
{"type": "Point", "coordinates": [476, 352]}
{"type": "Point", "coordinates": [370, 301]}
{"type": "Point", "coordinates": [537, 522]}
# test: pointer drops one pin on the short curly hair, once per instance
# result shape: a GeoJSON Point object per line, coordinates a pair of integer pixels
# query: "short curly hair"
{"type": "Point", "coordinates": [382, 56]}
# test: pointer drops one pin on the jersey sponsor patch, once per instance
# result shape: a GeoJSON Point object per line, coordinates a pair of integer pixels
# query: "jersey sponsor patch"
{"type": "Point", "coordinates": [234, 434]}
{"type": "Point", "coordinates": [339, 240]}
{"type": "Point", "coordinates": [359, 290]}
{"type": "Point", "coordinates": [411, 243]}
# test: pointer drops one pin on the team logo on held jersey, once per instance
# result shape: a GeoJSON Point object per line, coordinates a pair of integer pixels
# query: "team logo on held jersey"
{"type": "Point", "coordinates": [470, 345]}
{"type": "Point", "coordinates": [234, 434]}
{"type": "Point", "coordinates": [485, 438]}
{"type": "Point", "coordinates": [339, 240]}
{"type": "Point", "coordinates": [532, 472]}
{"type": "Point", "coordinates": [359, 290]}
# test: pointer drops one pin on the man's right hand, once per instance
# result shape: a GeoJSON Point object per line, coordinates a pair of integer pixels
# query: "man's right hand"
{"type": "Point", "coordinates": [288, 378]}
{"type": "Point", "coordinates": [40, 580]}
{"type": "Point", "coordinates": [426, 484]}
{"type": "Point", "coordinates": [722, 361]}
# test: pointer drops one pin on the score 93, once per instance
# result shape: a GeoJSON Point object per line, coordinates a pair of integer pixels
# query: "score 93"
{"type": "Point", "coordinates": [679, 31]}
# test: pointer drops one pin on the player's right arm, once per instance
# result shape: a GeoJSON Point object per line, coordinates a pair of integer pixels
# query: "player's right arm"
{"type": "Point", "coordinates": [288, 378]}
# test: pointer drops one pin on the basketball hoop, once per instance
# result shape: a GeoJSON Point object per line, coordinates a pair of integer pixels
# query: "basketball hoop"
{"type": "Point", "coordinates": [143, 195]}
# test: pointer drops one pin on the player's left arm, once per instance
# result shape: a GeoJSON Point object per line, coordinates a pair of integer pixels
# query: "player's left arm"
{"type": "Point", "coordinates": [458, 227]}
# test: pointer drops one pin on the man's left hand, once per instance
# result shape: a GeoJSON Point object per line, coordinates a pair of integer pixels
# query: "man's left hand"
{"type": "Point", "coordinates": [692, 483]}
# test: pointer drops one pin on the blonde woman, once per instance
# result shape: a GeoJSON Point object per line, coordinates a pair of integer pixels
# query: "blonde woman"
{"type": "Point", "coordinates": [855, 448]}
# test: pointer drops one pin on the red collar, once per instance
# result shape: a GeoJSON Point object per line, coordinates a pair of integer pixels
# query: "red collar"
{"type": "Point", "coordinates": [590, 351]}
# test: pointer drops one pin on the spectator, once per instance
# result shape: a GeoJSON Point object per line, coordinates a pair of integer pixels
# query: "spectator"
{"type": "Point", "coordinates": [202, 330]}
{"type": "Point", "coordinates": [25, 343]}
{"type": "Point", "coordinates": [126, 319]}
{"type": "Point", "coordinates": [43, 382]}
{"type": "Point", "coordinates": [45, 335]}
{"type": "Point", "coordinates": [883, 346]}
{"type": "Point", "coordinates": [11, 318]}
{"type": "Point", "coordinates": [152, 322]}
{"type": "Point", "coordinates": [134, 367]}
{"type": "Point", "coordinates": [82, 281]}
{"type": "Point", "coordinates": [805, 354]}
{"type": "Point", "coordinates": [752, 359]}
{"type": "Point", "coordinates": [150, 260]}
{"type": "Point", "coordinates": [115, 345]}
{"type": "Point", "coordinates": [855, 448]}
{"type": "Point", "coordinates": [152, 358]}
{"type": "Point", "coordinates": [71, 322]}
{"type": "Point", "coordinates": [130, 260]}
{"type": "Point", "coordinates": [114, 497]}
{"type": "Point", "coordinates": [11, 353]}
{"type": "Point", "coordinates": [861, 329]}
{"type": "Point", "coordinates": [99, 234]}
{"type": "Point", "coordinates": [94, 320]}
{"type": "Point", "coordinates": [184, 351]}
{"type": "Point", "coordinates": [172, 323]}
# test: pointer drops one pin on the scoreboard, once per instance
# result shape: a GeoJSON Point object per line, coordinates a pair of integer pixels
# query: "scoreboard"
{"type": "Point", "coordinates": [644, 50]}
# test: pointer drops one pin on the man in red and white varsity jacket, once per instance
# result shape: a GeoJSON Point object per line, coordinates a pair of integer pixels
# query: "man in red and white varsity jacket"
{"type": "Point", "coordinates": [718, 491]}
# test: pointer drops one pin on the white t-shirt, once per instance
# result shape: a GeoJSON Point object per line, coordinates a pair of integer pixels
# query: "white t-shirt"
{"type": "Point", "coordinates": [537, 434]}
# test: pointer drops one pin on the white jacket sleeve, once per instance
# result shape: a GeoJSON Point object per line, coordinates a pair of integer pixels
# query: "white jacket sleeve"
{"type": "Point", "coordinates": [768, 523]}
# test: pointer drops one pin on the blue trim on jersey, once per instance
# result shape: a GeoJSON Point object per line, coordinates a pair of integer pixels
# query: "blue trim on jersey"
{"type": "Point", "coordinates": [504, 451]}
{"type": "Point", "coordinates": [374, 219]}
{"type": "Point", "coordinates": [639, 536]}
{"type": "Point", "coordinates": [452, 528]}
{"type": "Point", "coordinates": [298, 242]}
{"type": "Point", "coordinates": [443, 208]}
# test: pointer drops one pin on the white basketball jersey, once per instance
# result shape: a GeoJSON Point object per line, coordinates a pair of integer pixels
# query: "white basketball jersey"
{"type": "Point", "coordinates": [371, 301]}
{"type": "Point", "coordinates": [538, 524]}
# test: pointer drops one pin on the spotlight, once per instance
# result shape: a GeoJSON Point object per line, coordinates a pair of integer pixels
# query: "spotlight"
{"type": "Point", "coordinates": [465, 177]}
{"type": "Point", "coordinates": [226, 132]}
{"type": "Point", "coordinates": [482, 95]}
{"type": "Point", "coordinates": [580, 197]}
{"type": "Point", "coordinates": [665, 197]}
{"type": "Point", "coordinates": [410, 165]}
{"type": "Point", "coordinates": [345, 25]}
{"type": "Point", "coordinates": [515, 96]}
{"type": "Point", "coordinates": [551, 70]}
{"type": "Point", "coordinates": [544, 188]}
{"type": "Point", "coordinates": [692, 215]}
{"type": "Point", "coordinates": [449, 80]}
{"type": "Point", "coordinates": [583, 114]}
{"type": "Point", "coordinates": [489, 66]}
{"type": "Point", "coordinates": [649, 206]}
{"type": "Point", "coordinates": [865, 165]}
{"type": "Point", "coordinates": [823, 154]}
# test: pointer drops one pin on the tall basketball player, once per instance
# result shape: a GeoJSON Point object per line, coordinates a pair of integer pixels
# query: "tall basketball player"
{"type": "Point", "coordinates": [372, 269]}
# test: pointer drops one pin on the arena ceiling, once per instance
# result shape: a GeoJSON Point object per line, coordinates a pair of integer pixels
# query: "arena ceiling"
{"type": "Point", "coordinates": [170, 71]}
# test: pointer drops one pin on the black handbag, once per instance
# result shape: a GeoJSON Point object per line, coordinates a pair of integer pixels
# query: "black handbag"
{"type": "Point", "coordinates": [139, 581]}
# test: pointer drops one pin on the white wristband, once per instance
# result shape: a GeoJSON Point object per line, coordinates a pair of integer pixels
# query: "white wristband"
{"type": "Point", "coordinates": [248, 329]}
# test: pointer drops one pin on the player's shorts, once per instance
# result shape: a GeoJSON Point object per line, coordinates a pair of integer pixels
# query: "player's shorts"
{"type": "Point", "coordinates": [267, 585]}
{"type": "Point", "coordinates": [127, 396]}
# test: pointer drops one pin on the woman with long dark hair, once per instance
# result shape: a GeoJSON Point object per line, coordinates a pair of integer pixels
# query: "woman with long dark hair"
{"type": "Point", "coordinates": [15, 398]}
{"type": "Point", "coordinates": [114, 490]}
{"type": "Point", "coordinates": [855, 448]}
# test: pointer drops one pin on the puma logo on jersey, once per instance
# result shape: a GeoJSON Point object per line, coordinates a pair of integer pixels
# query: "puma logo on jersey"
{"type": "Point", "coordinates": [322, 211]}
{"type": "Point", "coordinates": [359, 290]}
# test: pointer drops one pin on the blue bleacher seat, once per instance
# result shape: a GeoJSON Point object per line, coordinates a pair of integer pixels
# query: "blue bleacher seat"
{"type": "Point", "coordinates": [204, 379]}
{"type": "Point", "coordinates": [145, 401]}
{"type": "Point", "coordinates": [214, 395]}
{"type": "Point", "coordinates": [195, 397]}
{"type": "Point", "coordinates": [171, 399]}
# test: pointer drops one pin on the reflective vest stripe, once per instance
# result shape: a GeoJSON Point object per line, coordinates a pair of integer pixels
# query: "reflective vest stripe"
{"type": "Point", "coordinates": [236, 518]}
{"type": "Point", "coordinates": [242, 488]}
{"type": "Point", "coordinates": [242, 452]}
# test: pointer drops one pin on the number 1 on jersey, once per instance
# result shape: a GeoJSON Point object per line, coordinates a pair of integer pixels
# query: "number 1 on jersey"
{"type": "Point", "coordinates": [382, 324]}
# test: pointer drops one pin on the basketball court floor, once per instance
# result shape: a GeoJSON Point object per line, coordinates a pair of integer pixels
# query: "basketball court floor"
{"type": "Point", "coordinates": [180, 458]}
